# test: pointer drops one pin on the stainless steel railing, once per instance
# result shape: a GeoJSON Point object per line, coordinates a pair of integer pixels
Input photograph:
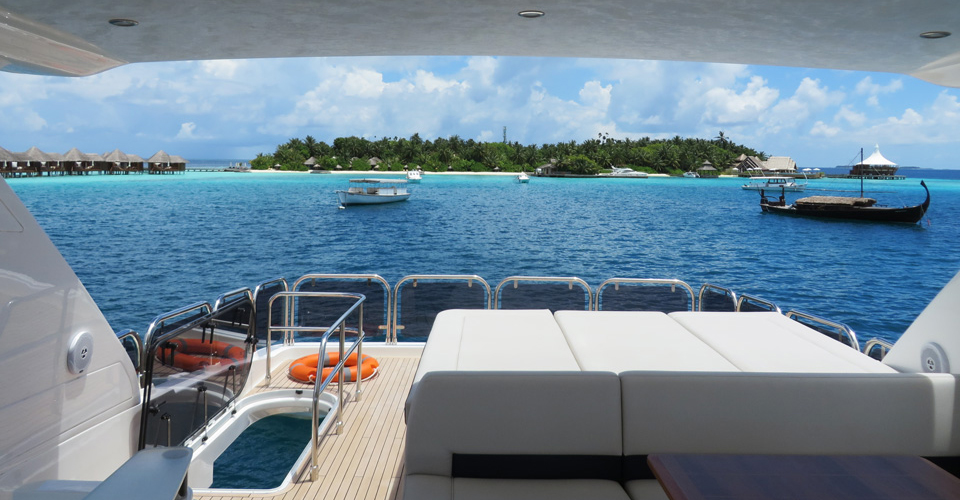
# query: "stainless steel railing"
{"type": "Point", "coordinates": [369, 305]}
{"type": "Point", "coordinates": [844, 333]}
{"type": "Point", "coordinates": [320, 386]}
{"type": "Point", "coordinates": [877, 349]}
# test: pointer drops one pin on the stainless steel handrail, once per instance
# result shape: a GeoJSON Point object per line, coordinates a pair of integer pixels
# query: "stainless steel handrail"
{"type": "Point", "coordinates": [548, 279]}
{"type": "Point", "coordinates": [758, 301]}
{"type": "Point", "coordinates": [840, 327]}
{"type": "Point", "coordinates": [239, 291]}
{"type": "Point", "coordinates": [148, 340]}
{"type": "Point", "coordinates": [725, 291]}
{"type": "Point", "coordinates": [319, 387]}
{"type": "Point", "coordinates": [616, 282]}
{"type": "Point", "coordinates": [369, 277]}
{"type": "Point", "coordinates": [469, 278]}
{"type": "Point", "coordinates": [882, 344]}
{"type": "Point", "coordinates": [128, 333]}
{"type": "Point", "coordinates": [263, 285]}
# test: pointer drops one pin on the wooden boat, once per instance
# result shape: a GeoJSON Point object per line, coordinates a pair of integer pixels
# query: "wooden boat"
{"type": "Point", "coordinates": [845, 207]}
{"type": "Point", "coordinates": [373, 192]}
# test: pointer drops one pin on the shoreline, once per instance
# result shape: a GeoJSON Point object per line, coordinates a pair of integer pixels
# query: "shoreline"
{"type": "Point", "coordinates": [400, 173]}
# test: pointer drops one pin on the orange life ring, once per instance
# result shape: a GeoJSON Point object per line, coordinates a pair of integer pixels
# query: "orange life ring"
{"type": "Point", "coordinates": [305, 369]}
{"type": "Point", "coordinates": [195, 354]}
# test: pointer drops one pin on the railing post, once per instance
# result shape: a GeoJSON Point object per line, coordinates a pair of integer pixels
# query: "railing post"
{"type": "Point", "coordinates": [340, 379]}
{"type": "Point", "coordinates": [360, 336]}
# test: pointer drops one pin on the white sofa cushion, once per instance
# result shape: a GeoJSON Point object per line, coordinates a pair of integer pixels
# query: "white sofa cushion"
{"type": "Point", "coordinates": [770, 342]}
{"type": "Point", "coordinates": [531, 489]}
{"type": "Point", "coordinates": [493, 339]}
{"type": "Point", "coordinates": [779, 413]}
{"type": "Point", "coordinates": [511, 413]}
{"type": "Point", "coordinates": [620, 341]}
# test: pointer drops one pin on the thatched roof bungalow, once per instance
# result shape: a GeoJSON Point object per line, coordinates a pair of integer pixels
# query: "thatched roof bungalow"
{"type": "Point", "coordinates": [159, 163]}
{"type": "Point", "coordinates": [178, 164]}
{"type": "Point", "coordinates": [782, 164]}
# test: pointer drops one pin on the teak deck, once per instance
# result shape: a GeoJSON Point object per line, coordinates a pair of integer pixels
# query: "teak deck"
{"type": "Point", "coordinates": [366, 460]}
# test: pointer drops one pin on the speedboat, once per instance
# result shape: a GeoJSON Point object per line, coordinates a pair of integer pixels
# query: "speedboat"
{"type": "Point", "coordinates": [523, 178]}
{"type": "Point", "coordinates": [774, 184]}
{"type": "Point", "coordinates": [414, 176]}
{"type": "Point", "coordinates": [626, 172]}
{"type": "Point", "coordinates": [482, 394]}
{"type": "Point", "coordinates": [691, 175]}
{"type": "Point", "coordinates": [373, 192]}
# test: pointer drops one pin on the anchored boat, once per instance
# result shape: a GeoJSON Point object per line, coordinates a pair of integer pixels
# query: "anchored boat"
{"type": "Point", "coordinates": [845, 207]}
{"type": "Point", "coordinates": [373, 192]}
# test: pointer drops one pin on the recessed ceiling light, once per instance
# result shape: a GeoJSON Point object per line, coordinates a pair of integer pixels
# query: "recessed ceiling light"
{"type": "Point", "coordinates": [530, 14]}
{"type": "Point", "coordinates": [124, 23]}
{"type": "Point", "coordinates": [935, 34]}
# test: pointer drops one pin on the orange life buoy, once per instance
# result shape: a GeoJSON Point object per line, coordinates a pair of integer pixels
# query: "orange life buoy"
{"type": "Point", "coordinates": [305, 369]}
{"type": "Point", "coordinates": [195, 354]}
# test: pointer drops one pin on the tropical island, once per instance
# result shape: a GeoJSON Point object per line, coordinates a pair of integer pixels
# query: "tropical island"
{"type": "Point", "coordinates": [663, 156]}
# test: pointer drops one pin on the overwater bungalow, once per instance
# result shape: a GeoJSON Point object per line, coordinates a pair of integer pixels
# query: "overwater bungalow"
{"type": "Point", "coordinates": [8, 163]}
{"type": "Point", "coordinates": [875, 165]}
{"type": "Point", "coordinates": [178, 164]}
{"type": "Point", "coordinates": [136, 163]}
{"type": "Point", "coordinates": [120, 163]}
{"type": "Point", "coordinates": [159, 163]}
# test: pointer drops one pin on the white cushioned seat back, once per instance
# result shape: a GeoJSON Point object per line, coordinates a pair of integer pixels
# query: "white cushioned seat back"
{"type": "Point", "coordinates": [775, 413]}
{"type": "Point", "coordinates": [521, 413]}
{"type": "Point", "coordinates": [620, 341]}
{"type": "Point", "coordinates": [770, 342]}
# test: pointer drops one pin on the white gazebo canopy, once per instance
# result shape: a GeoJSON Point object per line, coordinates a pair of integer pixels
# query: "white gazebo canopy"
{"type": "Point", "coordinates": [877, 159]}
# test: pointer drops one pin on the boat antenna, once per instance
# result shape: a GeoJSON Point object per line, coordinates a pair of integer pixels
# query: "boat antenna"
{"type": "Point", "coordinates": [861, 172]}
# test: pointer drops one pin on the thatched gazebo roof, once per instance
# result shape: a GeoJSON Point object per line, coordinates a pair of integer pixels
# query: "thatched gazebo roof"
{"type": "Point", "coordinates": [116, 156]}
{"type": "Point", "coordinates": [310, 162]}
{"type": "Point", "coordinates": [159, 157]}
{"type": "Point", "coordinates": [177, 159]}
{"type": "Point", "coordinates": [33, 154]}
{"type": "Point", "coordinates": [93, 157]}
{"type": "Point", "coordinates": [74, 155]}
{"type": "Point", "coordinates": [134, 159]}
{"type": "Point", "coordinates": [7, 155]}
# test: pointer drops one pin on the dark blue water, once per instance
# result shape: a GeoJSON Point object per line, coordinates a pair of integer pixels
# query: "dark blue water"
{"type": "Point", "coordinates": [147, 244]}
{"type": "Point", "coordinates": [264, 453]}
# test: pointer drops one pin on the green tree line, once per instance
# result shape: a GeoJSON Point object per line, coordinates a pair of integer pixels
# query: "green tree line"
{"type": "Point", "coordinates": [591, 156]}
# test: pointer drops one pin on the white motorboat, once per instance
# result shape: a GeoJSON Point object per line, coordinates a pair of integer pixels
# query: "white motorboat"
{"type": "Point", "coordinates": [626, 172]}
{"type": "Point", "coordinates": [494, 397]}
{"type": "Point", "coordinates": [774, 184]}
{"type": "Point", "coordinates": [373, 192]}
{"type": "Point", "coordinates": [691, 175]}
{"type": "Point", "coordinates": [414, 176]}
{"type": "Point", "coordinates": [523, 178]}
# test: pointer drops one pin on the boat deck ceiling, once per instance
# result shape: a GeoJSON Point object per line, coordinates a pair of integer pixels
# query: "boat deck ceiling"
{"type": "Point", "coordinates": [366, 460]}
{"type": "Point", "coordinates": [47, 36]}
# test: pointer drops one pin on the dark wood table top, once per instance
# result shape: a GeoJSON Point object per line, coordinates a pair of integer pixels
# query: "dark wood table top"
{"type": "Point", "coordinates": [794, 477]}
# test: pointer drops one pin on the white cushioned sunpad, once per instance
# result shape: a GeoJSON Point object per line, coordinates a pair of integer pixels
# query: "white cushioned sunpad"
{"type": "Point", "coordinates": [463, 339]}
{"type": "Point", "coordinates": [770, 342]}
{"type": "Point", "coordinates": [619, 341]}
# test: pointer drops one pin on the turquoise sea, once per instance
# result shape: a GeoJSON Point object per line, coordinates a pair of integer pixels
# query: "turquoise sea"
{"type": "Point", "coordinates": [145, 244]}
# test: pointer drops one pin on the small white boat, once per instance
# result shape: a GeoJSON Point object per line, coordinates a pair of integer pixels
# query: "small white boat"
{"type": "Point", "coordinates": [773, 184]}
{"type": "Point", "coordinates": [414, 176]}
{"type": "Point", "coordinates": [691, 175]}
{"type": "Point", "coordinates": [626, 172]}
{"type": "Point", "coordinates": [523, 178]}
{"type": "Point", "coordinates": [373, 192]}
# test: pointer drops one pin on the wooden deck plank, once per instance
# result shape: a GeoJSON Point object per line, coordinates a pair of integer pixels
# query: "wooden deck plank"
{"type": "Point", "coordinates": [365, 461]}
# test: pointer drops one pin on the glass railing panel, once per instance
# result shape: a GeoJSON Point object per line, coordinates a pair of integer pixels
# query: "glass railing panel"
{"type": "Point", "coordinates": [749, 303]}
{"type": "Point", "coordinates": [541, 292]}
{"type": "Point", "coordinates": [261, 297]}
{"type": "Point", "coordinates": [194, 371]}
{"type": "Point", "coordinates": [627, 294]}
{"type": "Point", "coordinates": [418, 300]}
{"type": "Point", "coordinates": [376, 307]}
{"type": "Point", "coordinates": [715, 298]}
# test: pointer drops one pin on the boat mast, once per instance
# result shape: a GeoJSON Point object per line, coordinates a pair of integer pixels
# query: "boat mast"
{"type": "Point", "coordinates": [861, 172]}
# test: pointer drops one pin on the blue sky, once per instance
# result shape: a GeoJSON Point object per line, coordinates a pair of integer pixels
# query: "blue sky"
{"type": "Point", "coordinates": [237, 108]}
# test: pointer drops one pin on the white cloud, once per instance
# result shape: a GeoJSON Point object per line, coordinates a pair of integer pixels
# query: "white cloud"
{"type": "Point", "coordinates": [809, 99]}
{"type": "Point", "coordinates": [874, 90]}
{"type": "Point", "coordinates": [186, 131]}
{"type": "Point", "coordinates": [225, 69]}
{"type": "Point", "coordinates": [724, 106]}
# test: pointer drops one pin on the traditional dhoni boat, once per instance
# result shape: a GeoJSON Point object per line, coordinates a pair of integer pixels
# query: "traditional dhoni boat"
{"type": "Point", "coordinates": [509, 392]}
{"type": "Point", "coordinates": [846, 207]}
